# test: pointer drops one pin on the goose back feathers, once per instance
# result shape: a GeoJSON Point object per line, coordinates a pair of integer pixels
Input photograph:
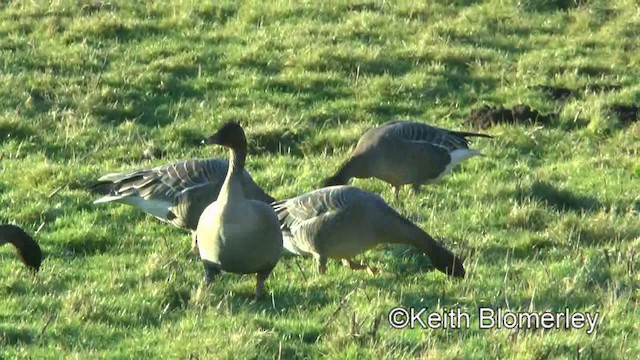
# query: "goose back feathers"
{"type": "Point", "coordinates": [343, 221]}
{"type": "Point", "coordinates": [403, 152]}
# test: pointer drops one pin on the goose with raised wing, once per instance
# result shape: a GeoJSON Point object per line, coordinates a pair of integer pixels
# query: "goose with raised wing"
{"type": "Point", "coordinates": [27, 249]}
{"type": "Point", "coordinates": [340, 222]}
{"type": "Point", "coordinates": [175, 193]}
{"type": "Point", "coordinates": [404, 152]}
{"type": "Point", "coordinates": [236, 233]}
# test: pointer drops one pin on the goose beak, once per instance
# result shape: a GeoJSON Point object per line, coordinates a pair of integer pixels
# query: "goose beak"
{"type": "Point", "coordinates": [213, 139]}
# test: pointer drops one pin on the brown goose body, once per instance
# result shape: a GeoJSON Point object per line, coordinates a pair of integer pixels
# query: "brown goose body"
{"type": "Point", "coordinates": [235, 233]}
{"type": "Point", "coordinates": [28, 249]}
{"type": "Point", "coordinates": [340, 222]}
{"type": "Point", "coordinates": [403, 152]}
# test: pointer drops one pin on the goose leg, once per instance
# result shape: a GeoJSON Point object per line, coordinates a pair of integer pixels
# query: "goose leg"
{"type": "Point", "coordinates": [416, 189]}
{"type": "Point", "coordinates": [261, 277]}
{"type": "Point", "coordinates": [360, 266]}
{"type": "Point", "coordinates": [194, 243]}
{"type": "Point", "coordinates": [322, 264]}
{"type": "Point", "coordinates": [210, 271]}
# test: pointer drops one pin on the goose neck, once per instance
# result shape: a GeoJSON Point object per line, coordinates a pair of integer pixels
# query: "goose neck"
{"type": "Point", "coordinates": [4, 238]}
{"type": "Point", "coordinates": [354, 167]}
{"type": "Point", "coordinates": [232, 187]}
{"type": "Point", "coordinates": [237, 159]}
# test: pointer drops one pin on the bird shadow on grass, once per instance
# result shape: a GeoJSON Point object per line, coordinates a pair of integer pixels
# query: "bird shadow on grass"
{"type": "Point", "coordinates": [556, 198]}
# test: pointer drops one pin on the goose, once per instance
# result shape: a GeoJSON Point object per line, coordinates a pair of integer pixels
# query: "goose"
{"type": "Point", "coordinates": [235, 233]}
{"type": "Point", "coordinates": [28, 249]}
{"type": "Point", "coordinates": [342, 221]}
{"type": "Point", "coordinates": [175, 193]}
{"type": "Point", "coordinates": [404, 152]}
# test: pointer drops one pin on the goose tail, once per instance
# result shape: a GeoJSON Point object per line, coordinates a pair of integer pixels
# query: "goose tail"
{"type": "Point", "coordinates": [471, 134]}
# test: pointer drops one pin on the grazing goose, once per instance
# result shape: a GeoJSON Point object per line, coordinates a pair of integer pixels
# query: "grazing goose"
{"type": "Point", "coordinates": [176, 193]}
{"type": "Point", "coordinates": [235, 233]}
{"type": "Point", "coordinates": [341, 222]}
{"type": "Point", "coordinates": [403, 152]}
{"type": "Point", "coordinates": [27, 248]}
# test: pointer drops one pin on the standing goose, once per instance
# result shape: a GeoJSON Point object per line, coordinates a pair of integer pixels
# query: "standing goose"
{"type": "Point", "coordinates": [28, 249]}
{"type": "Point", "coordinates": [403, 152]}
{"type": "Point", "coordinates": [341, 222]}
{"type": "Point", "coordinates": [235, 233]}
{"type": "Point", "coordinates": [175, 193]}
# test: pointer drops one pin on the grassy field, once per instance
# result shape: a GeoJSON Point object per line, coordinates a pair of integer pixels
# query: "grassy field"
{"type": "Point", "coordinates": [548, 220]}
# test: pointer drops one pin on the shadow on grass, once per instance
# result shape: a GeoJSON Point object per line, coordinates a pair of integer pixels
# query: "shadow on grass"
{"type": "Point", "coordinates": [558, 199]}
{"type": "Point", "coordinates": [113, 30]}
{"type": "Point", "coordinates": [90, 244]}
{"type": "Point", "coordinates": [594, 71]}
{"type": "Point", "coordinates": [73, 336]}
{"type": "Point", "coordinates": [391, 109]}
{"type": "Point", "coordinates": [46, 12]}
{"type": "Point", "coordinates": [311, 90]}
{"type": "Point", "coordinates": [325, 145]}
{"type": "Point", "coordinates": [214, 12]}
{"type": "Point", "coordinates": [10, 336]}
{"type": "Point", "coordinates": [510, 48]}
{"type": "Point", "coordinates": [277, 141]}
{"type": "Point", "coordinates": [149, 103]}
{"type": "Point", "coordinates": [353, 65]}
{"type": "Point", "coordinates": [602, 233]}
{"type": "Point", "coordinates": [443, 87]}
{"type": "Point", "coordinates": [528, 250]}
{"type": "Point", "coordinates": [551, 5]}
{"type": "Point", "coordinates": [15, 130]}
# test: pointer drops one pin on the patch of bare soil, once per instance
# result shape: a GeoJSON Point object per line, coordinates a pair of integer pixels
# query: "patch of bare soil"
{"type": "Point", "coordinates": [487, 116]}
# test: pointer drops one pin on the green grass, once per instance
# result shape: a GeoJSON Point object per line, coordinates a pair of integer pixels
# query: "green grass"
{"type": "Point", "coordinates": [548, 220]}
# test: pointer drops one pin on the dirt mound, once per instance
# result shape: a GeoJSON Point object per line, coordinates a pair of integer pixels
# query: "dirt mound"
{"type": "Point", "coordinates": [625, 113]}
{"type": "Point", "coordinates": [487, 116]}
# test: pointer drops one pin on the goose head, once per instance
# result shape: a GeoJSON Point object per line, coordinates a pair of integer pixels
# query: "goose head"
{"type": "Point", "coordinates": [230, 135]}
{"type": "Point", "coordinates": [27, 248]}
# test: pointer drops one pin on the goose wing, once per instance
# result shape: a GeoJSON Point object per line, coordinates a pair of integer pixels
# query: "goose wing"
{"type": "Point", "coordinates": [431, 136]}
{"type": "Point", "coordinates": [162, 182]}
{"type": "Point", "coordinates": [303, 217]}
{"type": "Point", "coordinates": [167, 191]}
